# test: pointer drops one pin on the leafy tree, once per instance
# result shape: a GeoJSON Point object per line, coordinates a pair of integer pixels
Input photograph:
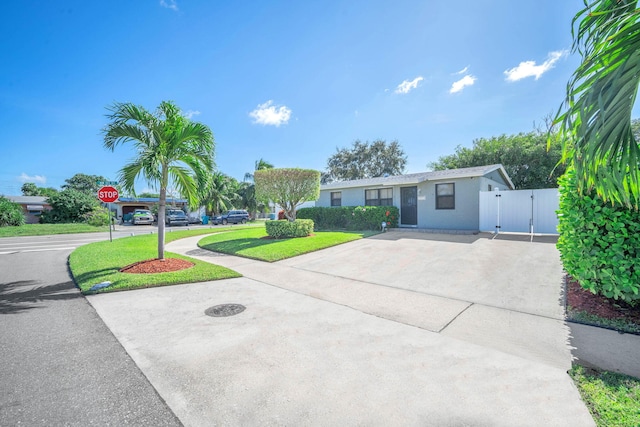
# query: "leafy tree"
{"type": "Point", "coordinates": [288, 187]}
{"type": "Point", "coordinates": [149, 195]}
{"type": "Point", "coordinates": [69, 206]}
{"type": "Point", "coordinates": [10, 213]}
{"type": "Point", "coordinates": [30, 189]}
{"type": "Point", "coordinates": [524, 156]}
{"type": "Point", "coordinates": [169, 148]}
{"type": "Point", "coordinates": [84, 183]}
{"type": "Point", "coordinates": [365, 160]}
{"type": "Point", "coordinates": [595, 119]}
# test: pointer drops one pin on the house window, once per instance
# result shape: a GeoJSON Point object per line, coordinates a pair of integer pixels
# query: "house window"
{"type": "Point", "coordinates": [336, 198]}
{"type": "Point", "coordinates": [379, 197]}
{"type": "Point", "coordinates": [446, 196]}
{"type": "Point", "coordinates": [490, 187]}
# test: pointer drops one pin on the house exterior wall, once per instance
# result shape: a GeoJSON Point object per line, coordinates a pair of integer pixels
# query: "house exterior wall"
{"type": "Point", "coordinates": [465, 214]}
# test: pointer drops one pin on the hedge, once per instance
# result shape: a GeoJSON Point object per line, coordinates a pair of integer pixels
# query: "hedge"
{"type": "Point", "coordinates": [351, 217]}
{"type": "Point", "coordinates": [599, 243]}
{"type": "Point", "coordinates": [286, 228]}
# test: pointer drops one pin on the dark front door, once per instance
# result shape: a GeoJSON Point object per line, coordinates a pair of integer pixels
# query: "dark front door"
{"type": "Point", "coordinates": [409, 206]}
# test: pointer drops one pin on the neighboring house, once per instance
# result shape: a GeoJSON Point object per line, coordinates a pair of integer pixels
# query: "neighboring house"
{"type": "Point", "coordinates": [446, 200]}
{"type": "Point", "coordinates": [32, 207]}
{"type": "Point", "coordinates": [126, 205]}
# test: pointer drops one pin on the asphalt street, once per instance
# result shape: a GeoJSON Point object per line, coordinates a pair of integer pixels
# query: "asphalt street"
{"type": "Point", "coordinates": [60, 364]}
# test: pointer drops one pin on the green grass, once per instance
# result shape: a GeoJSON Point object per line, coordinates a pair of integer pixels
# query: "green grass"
{"type": "Point", "coordinates": [620, 325]}
{"type": "Point", "coordinates": [48, 229]}
{"type": "Point", "coordinates": [99, 262]}
{"type": "Point", "coordinates": [252, 243]}
{"type": "Point", "coordinates": [613, 399]}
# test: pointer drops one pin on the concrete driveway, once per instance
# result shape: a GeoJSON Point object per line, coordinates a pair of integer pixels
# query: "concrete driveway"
{"type": "Point", "coordinates": [398, 329]}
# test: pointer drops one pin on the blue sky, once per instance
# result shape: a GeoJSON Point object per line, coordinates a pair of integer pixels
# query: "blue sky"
{"type": "Point", "coordinates": [287, 81]}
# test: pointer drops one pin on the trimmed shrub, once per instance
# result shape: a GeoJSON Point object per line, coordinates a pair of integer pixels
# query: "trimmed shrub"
{"type": "Point", "coordinates": [10, 213]}
{"type": "Point", "coordinates": [599, 243]}
{"type": "Point", "coordinates": [98, 217]}
{"type": "Point", "coordinates": [351, 218]}
{"type": "Point", "coordinates": [285, 228]}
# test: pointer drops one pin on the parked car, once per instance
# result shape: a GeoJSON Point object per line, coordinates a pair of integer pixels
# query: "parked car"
{"type": "Point", "coordinates": [175, 217]}
{"type": "Point", "coordinates": [142, 216]}
{"type": "Point", "coordinates": [234, 217]}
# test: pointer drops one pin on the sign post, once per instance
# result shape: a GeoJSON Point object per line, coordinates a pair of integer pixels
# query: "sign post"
{"type": "Point", "coordinates": [108, 194]}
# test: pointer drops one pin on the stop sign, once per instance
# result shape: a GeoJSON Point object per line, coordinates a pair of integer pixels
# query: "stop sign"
{"type": "Point", "coordinates": [108, 194]}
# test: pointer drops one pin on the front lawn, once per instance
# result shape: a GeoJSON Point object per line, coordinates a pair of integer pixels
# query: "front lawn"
{"type": "Point", "coordinates": [48, 229]}
{"type": "Point", "coordinates": [101, 261]}
{"type": "Point", "coordinates": [255, 244]}
{"type": "Point", "coordinates": [613, 399]}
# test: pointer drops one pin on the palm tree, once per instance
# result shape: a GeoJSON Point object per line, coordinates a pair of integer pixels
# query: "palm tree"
{"type": "Point", "coordinates": [248, 190]}
{"type": "Point", "coordinates": [171, 149]}
{"type": "Point", "coordinates": [218, 194]}
{"type": "Point", "coordinates": [259, 165]}
{"type": "Point", "coordinates": [596, 123]}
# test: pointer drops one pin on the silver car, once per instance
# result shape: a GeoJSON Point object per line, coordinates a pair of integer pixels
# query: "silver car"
{"type": "Point", "coordinates": [142, 216]}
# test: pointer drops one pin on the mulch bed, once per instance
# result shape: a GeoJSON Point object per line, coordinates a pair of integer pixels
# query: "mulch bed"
{"type": "Point", "coordinates": [580, 299]}
{"type": "Point", "coordinates": [157, 266]}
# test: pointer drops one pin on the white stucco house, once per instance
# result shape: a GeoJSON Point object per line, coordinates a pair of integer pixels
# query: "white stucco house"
{"type": "Point", "coordinates": [447, 200]}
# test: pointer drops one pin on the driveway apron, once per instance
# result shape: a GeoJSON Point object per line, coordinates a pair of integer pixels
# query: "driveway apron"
{"type": "Point", "coordinates": [397, 329]}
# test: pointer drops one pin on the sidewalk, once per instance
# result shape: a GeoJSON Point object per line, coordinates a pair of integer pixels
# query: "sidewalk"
{"type": "Point", "coordinates": [315, 349]}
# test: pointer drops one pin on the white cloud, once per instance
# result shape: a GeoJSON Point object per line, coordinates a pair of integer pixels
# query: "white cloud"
{"type": "Point", "coordinates": [457, 86]}
{"type": "Point", "coordinates": [36, 179]}
{"type": "Point", "coordinates": [169, 4]}
{"type": "Point", "coordinates": [464, 70]}
{"type": "Point", "coordinates": [530, 69]}
{"type": "Point", "coordinates": [407, 86]}
{"type": "Point", "coordinates": [190, 113]}
{"type": "Point", "coordinates": [269, 114]}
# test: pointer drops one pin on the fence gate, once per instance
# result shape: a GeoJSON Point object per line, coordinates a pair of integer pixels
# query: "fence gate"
{"type": "Point", "coordinates": [523, 211]}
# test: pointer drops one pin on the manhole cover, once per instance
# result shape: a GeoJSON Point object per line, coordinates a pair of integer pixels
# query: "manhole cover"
{"type": "Point", "coordinates": [224, 310]}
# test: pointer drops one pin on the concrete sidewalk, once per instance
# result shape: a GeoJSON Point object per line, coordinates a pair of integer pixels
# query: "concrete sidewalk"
{"type": "Point", "coordinates": [318, 349]}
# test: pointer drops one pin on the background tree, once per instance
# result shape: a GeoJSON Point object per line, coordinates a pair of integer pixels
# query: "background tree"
{"type": "Point", "coordinates": [69, 206]}
{"type": "Point", "coordinates": [170, 148]}
{"type": "Point", "coordinates": [219, 193]}
{"type": "Point", "coordinates": [524, 156]}
{"type": "Point", "coordinates": [288, 187]}
{"type": "Point", "coordinates": [84, 183]}
{"type": "Point", "coordinates": [10, 213]}
{"type": "Point", "coordinates": [247, 190]}
{"type": "Point", "coordinates": [365, 160]}
{"type": "Point", "coordinates": [31, 189]}
{"type": "Point", "coordinates": [595, 119]}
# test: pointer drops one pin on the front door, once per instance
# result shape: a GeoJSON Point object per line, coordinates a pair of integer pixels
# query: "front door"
{"type": "Point", "coordinates": [409, 206]}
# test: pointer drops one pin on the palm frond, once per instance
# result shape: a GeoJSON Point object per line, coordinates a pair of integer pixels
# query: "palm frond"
{"type": "Point", "coordinates": [596, 123]}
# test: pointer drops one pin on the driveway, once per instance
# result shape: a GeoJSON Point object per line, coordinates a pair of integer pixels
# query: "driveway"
{"type": "Point", "coordinates": [398, 329]}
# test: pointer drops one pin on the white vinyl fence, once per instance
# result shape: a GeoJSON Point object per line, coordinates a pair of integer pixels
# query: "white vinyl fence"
{"type": "Point", "coordinates": [521, 211]}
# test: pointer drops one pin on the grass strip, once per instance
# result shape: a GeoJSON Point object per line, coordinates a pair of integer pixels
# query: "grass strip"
{"type": "Point", "coordinates": [620, 325]}
{"type": "Point", "coordinates": [48, 229]}
{"type": "Point", "coordinates": [255, 244]}
{"type": "Point", "coordinates": [613, 399]}
{"type": "Point", "coordinates": [101, 261]}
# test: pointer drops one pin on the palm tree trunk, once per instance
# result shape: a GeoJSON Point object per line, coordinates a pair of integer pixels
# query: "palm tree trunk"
{"type": "Point", "coordinates": [161, 210]}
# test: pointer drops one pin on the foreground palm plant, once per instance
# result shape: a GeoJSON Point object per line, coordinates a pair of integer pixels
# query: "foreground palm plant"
{"type": "Point", "coordinates": [170, 149]}
{"type": "Point", "coordinates": [595, 119]}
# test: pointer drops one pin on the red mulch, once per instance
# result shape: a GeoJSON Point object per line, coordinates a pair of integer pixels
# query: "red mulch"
{"type": "Point", "coordinates": [580, 299]}
{"type": "Point", "coordinates": [157, 266]}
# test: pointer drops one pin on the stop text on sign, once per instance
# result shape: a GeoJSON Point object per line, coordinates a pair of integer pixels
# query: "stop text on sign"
{"type": "Point", "coordinates": [108, 194]}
